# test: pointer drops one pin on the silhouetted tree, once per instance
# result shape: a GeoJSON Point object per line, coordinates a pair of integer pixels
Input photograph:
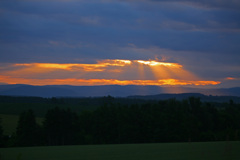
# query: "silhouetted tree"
{"type": "Point", "coordinates": [28, 131]}
{"type": "Point", "coordinates": [60, 126]}
{"type": "Point", "coordinates": [1, 134]}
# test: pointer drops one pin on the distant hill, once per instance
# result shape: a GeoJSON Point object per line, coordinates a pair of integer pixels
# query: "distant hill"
{"type": "Point", "coordinates": [204, 98]}
{"type": "Point", "coordinates": [113, 90]}
{"type": "Point", "coordinates": [39, 91]}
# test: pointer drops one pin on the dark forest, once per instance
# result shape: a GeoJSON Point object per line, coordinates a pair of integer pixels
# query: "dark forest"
{"type": "Point", "coordinates": [118, 121]}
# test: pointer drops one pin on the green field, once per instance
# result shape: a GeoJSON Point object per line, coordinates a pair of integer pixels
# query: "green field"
{"type": "Point", "coordinates": [9, 123]}
{"type": "Point", "coordinates": [163, 151]}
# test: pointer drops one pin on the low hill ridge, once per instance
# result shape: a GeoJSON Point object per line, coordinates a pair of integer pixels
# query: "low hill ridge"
{"type": "Point", "coordinates": [113, 90]}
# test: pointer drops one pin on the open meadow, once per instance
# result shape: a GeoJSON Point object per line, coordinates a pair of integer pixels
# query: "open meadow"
{"type": "Point", "coordinates": [160, 151]}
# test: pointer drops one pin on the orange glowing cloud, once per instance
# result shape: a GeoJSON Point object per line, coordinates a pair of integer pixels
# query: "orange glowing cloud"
{"type": "Point", "coordinates": [87, 82]}
{"type": "Point", "coordinates": [103, 72]}
{"type": "Point", "coordinates": [98, 67]}
{"type": "Point", "coordinates": [155, 63]}
{"type": "Point", "coordinates": [230, 78]}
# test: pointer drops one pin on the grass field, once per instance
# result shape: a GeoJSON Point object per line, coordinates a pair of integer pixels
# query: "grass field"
{"type": "Point", "coordinates": [9, 123]}
{"type": "Point", "coordinates": [163, 151]}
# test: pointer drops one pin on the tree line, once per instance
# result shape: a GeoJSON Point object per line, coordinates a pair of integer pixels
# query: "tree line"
{"type": "Point", "coordinates": [115, 123]}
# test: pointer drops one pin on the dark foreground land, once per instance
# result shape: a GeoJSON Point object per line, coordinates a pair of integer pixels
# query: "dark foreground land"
{"type": "Point", "coordinates": [227, 150]}
{"type": "Point", "coordinates": [109, 120]}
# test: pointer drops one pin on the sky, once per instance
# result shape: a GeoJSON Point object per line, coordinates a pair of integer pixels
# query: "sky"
{"type": "Point", "coordinates": [120, 42]}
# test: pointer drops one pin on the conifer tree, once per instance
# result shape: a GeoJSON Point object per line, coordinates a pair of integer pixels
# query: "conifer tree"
{"type": "Point", "coordinates": [1, 134]}
{"type": "Point", "coordinates": [27, 133]}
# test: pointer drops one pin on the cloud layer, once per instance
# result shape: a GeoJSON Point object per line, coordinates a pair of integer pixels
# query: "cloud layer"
{"type": "Point", "coordinates": [202, 35]}
{"type": "Point", "coordinates": [105, 72]}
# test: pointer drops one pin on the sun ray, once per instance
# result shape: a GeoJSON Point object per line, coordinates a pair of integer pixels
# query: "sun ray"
{"type": "Point", "coordinates": [160, 72]}
{"type": "Point", "coordinates": [141, 71]}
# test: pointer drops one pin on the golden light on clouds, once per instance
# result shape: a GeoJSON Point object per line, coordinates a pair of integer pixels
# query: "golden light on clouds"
{"type": "Point", "coordinates": [98, 67]}
{"type": "Point", "coordinates": [231, 78]}
{"type": "Point", "coordinates": [155, 63]}
{"type": "Point", "coordinates": [104, 72]}
{"type": "Point", "coordinates": [89, 82]}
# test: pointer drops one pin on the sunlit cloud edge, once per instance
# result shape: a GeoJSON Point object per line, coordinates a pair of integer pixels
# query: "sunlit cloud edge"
{"type": "Point", "coordinates": [93, 82]}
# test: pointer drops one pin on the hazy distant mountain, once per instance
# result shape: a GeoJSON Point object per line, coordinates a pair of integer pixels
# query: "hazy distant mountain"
{"type": "Point", "coordinates": [40, 91]}
{"type": "Point", "coordinates": [113, 90]}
